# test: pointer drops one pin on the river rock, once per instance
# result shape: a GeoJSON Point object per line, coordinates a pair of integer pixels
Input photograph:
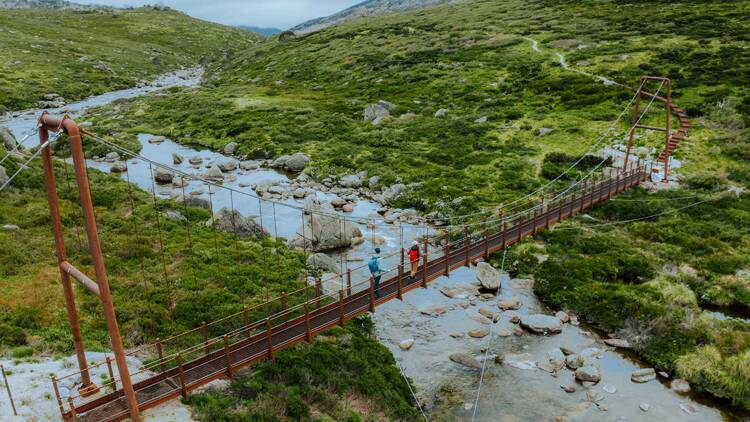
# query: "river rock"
{"type": "Point", "coordinates": [9, 141]}
{"type": "Point", "coordinates": [406, 344]}
{"type": "Point", "coordinates": [250, 165]}
{"type": "Point", "coordinates": [680, 385]}
{"type": "Point", "coordinates": [556, 358]}
{"type": "Point", "coordinates": [478, 333]}
{"type": "Point", "coordinates": [479, 318]}
{"type": "Point", "coordinates": [280, 162]}
{"type": "Point", "coordinates": [214, 173]}
{"type": "Point", "coordinates": [323, 229]}
{"type": "Point", "coordinates": [348, 208]}
{"type": "Point", "coordinates": [644, 407]}
{"type": "Point", "coordinates": [588, 373]}
{"type": "Point", "coordinates": [338, 202]}
{"type": "Point", "coordinates": [350, 181]}
{"type": "Point", "coordinates": [643, 375]}
{"type": "Point", "coordinates": [520, 361]}
{"type": "Point", "coordinates": [504, 333]}
{"type": "Point", "coordinates": [377, 240]}
{"type": "Point", "coordinates": [488, 313]}
{"type": "Point", "coordinates": [562, 316]}
{"type": "Point", "coordinates": [163, 176]}
{"type": "Point", "coordinates": [488, 276]}
{"type": "Point", "coordinates": [195, 160]}
{"type": "Point", "coordinates": [392, 193]}
{"type": "Point", "coordinates": [456, 335]}
{"type": "Point", "coordinates": [616, 342]}
{"type": "Point", "coordinates": [609, 388]}
{"type": "Point", "coordinates": [111, 157]}
{"type": "Point", "coordinates": [466, 360]}
{"type": "Point", "coordinates": [433, 310]}
{"type": "Point", "coordinates": [321, 260]}
{"type": "Point", "coordinates": [234, 222]}
{"type": "Point", "coordinates": [227, 164]}
{"type": "Point", "coordinates": [568, 388]}
{"type": "Point", "coordinates": [593, 396]}
{"type": "Point", "coordinates": [230, 148]}
{"type": "Point", "coordinates": [119, 167]}
{"type": "Point", "coordinates": [541, 324]}
{"type": "Point", "coordinates": [177, 159]}
{"type": "Point", "coordinates": [297, 162]}
{"type": "Point", "coordinates": [156, 139]}
{"type": "Point", "coordinates": [509, 304]}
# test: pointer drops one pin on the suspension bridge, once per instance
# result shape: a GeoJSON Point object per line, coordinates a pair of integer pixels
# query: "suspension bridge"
{"type": "Point", "coordinates": [187, 361]}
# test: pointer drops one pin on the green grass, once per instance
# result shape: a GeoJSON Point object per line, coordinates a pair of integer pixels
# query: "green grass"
{"type": "Point", "coordinates": [55, 51]}
{"type": "Point", "coordinates": [343, 376]}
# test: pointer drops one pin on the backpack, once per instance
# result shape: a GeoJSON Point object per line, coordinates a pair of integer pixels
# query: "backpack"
{"type": "Point", "coordinates": [373, 264]}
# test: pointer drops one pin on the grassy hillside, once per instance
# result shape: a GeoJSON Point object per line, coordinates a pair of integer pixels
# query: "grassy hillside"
{"type": "Point", "coordinates": [80, 53]}
{"type": "Point", "coordinates": [650, 279]}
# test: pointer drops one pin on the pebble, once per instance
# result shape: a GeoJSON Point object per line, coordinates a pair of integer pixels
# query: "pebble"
{"type": "Point", "coordinates": [478, 333]}
{"type": "Point", "coordinates": [609, 388]}
{"type": "Point", "coordinates": [406, 344]}
{"type": "Point", "coordinates": [644, 407]}
{"type": "Point", "coordinates": [568, 388]}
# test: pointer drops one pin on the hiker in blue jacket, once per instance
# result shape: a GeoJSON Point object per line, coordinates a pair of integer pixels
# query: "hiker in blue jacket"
{"type": "Point", "coordinates": [375, 270]}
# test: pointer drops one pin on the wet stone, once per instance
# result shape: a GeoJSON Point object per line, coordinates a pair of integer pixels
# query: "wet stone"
{"type": "Point", "coordinates": [478, 333]}
{"type": "Point", "coordinates": [644, 407]}
{"type": "Point", "coordinates": [465, 360]}
{"type": "Point", "coordinates": [643, 375]}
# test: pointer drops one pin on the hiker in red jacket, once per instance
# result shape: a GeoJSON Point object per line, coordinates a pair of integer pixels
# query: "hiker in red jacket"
{"type": "Point", "coordinates": [414, 254]}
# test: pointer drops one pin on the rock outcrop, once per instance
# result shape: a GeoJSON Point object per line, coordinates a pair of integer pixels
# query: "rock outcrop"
{"type": "Point", "coordinates": [322, 229]}
{"type": "Point", "coordinates": [488, 276]}
{"type": "Point", "coordinates": [234, 222]}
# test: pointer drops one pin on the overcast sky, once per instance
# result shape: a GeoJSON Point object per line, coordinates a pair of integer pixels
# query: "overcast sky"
{"type": "Point", "coordinates": [281, 14]}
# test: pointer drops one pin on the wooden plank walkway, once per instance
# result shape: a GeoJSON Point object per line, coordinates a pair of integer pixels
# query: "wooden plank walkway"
{"type": "Point", "coordinates": [258, 341]}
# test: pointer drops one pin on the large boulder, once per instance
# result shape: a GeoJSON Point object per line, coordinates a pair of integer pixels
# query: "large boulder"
{"type": "Point", "coordinates": [214, 173]}
{"type": "Point", "coordinates": [297, 162]}
{"type": "Point", "coordinates": [393, 192]}
{"type": "Point", "coordinates": [163, 176]}
{"type": "Point", "coordinates": [588, 373]}
{"type": "Point", "coordinates": [488, 276]}
{"type": "Point", "coordinates": [323, 261]}
{"type": "Point", "coordinates": [227, 164]}
{"type": "Point", "coordinates": [9, 141]}
{"type": "Point", "coordinates": [375, 113]}
{"type": "Point", "coordinates": [233, 222]}
{"type": "Point", "coordinates": [541, 324]}
{"type": "Point", "coordinates": [230, 148]}
{"type": "Point", "coordinates": [322, 229]}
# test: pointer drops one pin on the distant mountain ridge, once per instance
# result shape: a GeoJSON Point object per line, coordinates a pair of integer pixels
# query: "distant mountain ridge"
{"type": "Point", "coordinates": [47, 4]}
{"type": "Point", "coordinates": [261, 30]}
{"type": "Point", "coordinates": [366, 8]}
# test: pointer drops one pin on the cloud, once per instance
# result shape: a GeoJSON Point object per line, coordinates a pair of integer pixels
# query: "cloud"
{"type": "Point", "coordinates": [271, 13]}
